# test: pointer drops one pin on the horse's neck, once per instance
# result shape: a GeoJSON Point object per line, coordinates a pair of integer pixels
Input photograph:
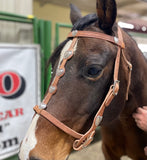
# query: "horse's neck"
{"type": "Point", "coordinates": [138, 87]}
{"type": "Point", "coordinates": [139, 78]}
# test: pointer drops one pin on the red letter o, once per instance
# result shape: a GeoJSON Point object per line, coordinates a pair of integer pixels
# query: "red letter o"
{"type": "Point", "coordinates": [15, 83]}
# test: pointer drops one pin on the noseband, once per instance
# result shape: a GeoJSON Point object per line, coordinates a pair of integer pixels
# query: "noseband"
{"type": "Point", "coordinates": [84, 140]}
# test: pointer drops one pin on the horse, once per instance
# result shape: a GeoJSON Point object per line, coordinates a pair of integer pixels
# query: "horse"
{"type": "Point", "coordinates": [99, 78]}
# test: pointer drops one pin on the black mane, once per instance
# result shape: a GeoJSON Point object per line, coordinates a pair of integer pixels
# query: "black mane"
{"type": "Point", "coordinates": [85, 21]}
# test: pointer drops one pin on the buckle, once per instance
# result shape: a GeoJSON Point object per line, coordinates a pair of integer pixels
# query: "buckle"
{"type": "Point", "coordinates": [80, 144]}
{"type": "Point", "coordinates": [87, 142]}
{"type": "Point", "coordinates": [115, 87]}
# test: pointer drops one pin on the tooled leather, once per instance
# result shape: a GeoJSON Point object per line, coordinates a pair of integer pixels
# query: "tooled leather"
{"type": "Point", "coordinates": [98, 35]}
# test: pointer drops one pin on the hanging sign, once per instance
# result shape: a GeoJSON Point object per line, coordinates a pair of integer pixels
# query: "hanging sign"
{"type": "Point", "coordinates": [19, 92]}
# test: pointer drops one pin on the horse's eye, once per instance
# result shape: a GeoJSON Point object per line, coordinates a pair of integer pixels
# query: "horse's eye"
{"type": "Point", "coordinates": [93, 71]}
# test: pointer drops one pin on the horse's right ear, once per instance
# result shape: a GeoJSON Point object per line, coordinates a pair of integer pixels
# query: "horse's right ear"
{"type": "Point", "coordinates": [75, 14]}
{"type": "Point", "coordinates": [106, 11]}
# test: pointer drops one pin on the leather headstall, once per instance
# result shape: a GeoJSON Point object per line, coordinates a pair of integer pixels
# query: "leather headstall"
{"type": "Point", "coordinates": [83, 140]}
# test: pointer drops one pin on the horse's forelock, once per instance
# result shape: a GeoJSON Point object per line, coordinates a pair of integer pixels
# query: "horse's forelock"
{"type": "Point", "coordinates": [79, 25]}
{"type": "Point", "coordinates": [85, 21]}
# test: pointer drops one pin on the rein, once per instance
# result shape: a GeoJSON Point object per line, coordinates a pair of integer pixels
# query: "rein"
{"type": "Point", "coordinates": [84, 140]}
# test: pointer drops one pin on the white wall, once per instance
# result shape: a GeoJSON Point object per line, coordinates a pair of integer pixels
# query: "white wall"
{"type": "Point", "coordinates": [16, 32]}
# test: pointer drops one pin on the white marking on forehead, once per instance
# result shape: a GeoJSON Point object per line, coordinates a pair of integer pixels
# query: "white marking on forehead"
{"type": "Point", "coordinates": [65, 48]}
{"type": "Point", "coordinates": [30, 141]}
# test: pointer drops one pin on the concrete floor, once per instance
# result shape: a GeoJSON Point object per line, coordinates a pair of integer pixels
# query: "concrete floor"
{"type": "Point", "coordinates": [93, 152]}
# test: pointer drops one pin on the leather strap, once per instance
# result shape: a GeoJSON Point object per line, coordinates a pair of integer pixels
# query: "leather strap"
{"type": "Point", "coordinates": [62, 67]}
{"type": "Point", "coordinates": [55, 121]}
{"type": "Point", "coordinates": [84, 139]}
{"type": "Point", "coordinates": [90, 34]}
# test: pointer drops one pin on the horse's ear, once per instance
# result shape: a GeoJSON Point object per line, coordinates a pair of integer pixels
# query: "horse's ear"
{"type": "Point", "coordinates": [75, 14]}
{"type": "Point", "coordinates": [106, 11]}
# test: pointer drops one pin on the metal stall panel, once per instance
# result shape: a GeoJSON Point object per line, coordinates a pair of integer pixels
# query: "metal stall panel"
{"type": "Point", "coordinates": [58, 27]}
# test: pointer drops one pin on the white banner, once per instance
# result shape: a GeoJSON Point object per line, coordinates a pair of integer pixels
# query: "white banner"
{"type": "Point", "coordinates": [143, 48]}
{"type": "Point", "coordinates": [19, 92]}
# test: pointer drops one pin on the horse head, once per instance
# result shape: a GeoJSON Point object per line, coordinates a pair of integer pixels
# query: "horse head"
{"type": "Point", "coordinates": [83, 83]}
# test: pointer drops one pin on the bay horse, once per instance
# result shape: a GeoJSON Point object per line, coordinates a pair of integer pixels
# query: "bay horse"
{"type": "Point", "coordinates": [99, 78]}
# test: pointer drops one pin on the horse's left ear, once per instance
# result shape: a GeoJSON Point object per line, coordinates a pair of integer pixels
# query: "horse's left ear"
{"type": "Point", "coordinates": [75, 14]}
{"type": "Point", "coordinates": [106, 11]}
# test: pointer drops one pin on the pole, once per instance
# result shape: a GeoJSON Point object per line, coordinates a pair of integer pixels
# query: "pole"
{"type": "Point", "coordinates": [41, 40]}
{"type": "Point", "coordinates": [47, 53]}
